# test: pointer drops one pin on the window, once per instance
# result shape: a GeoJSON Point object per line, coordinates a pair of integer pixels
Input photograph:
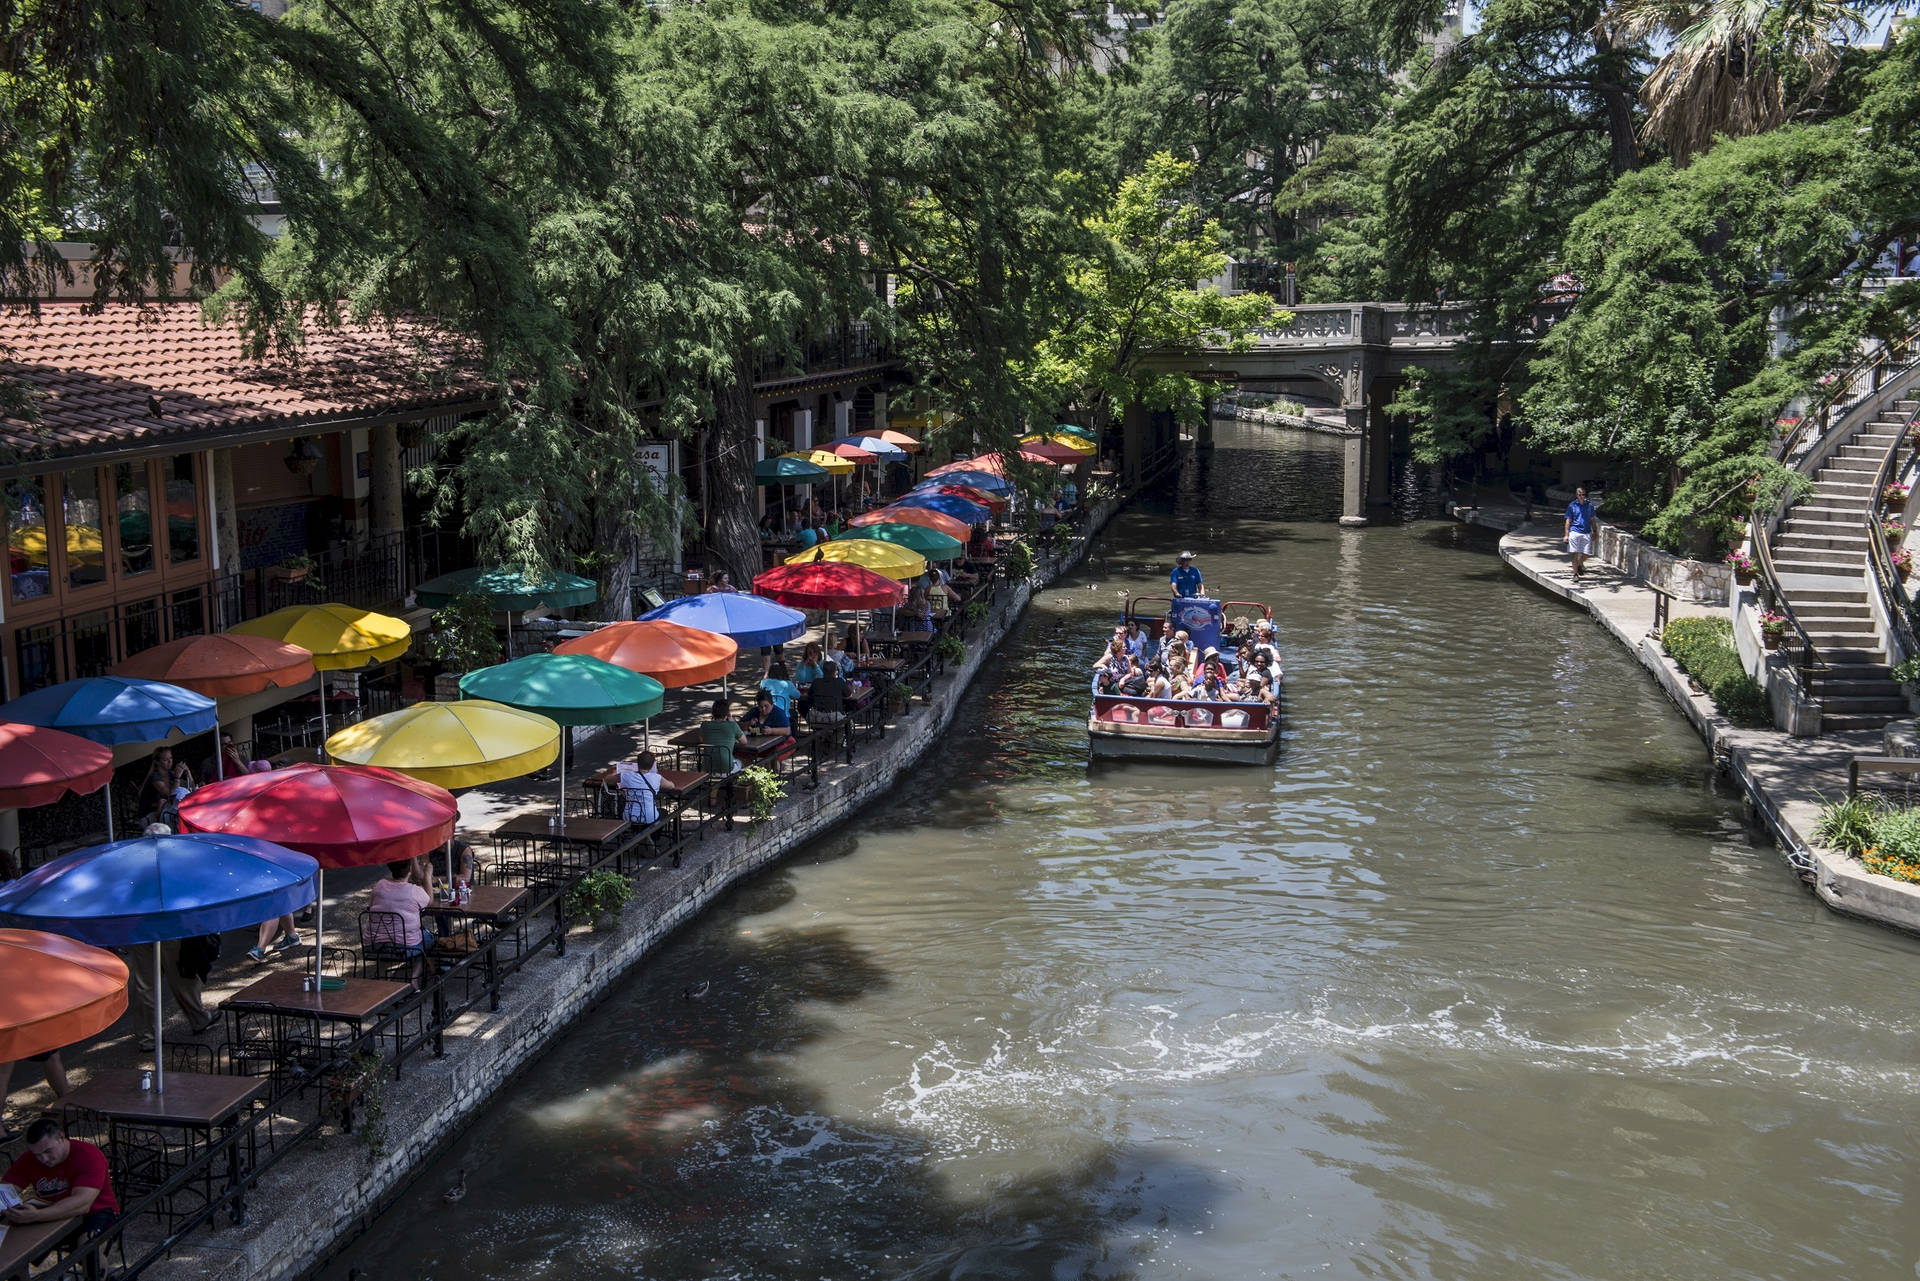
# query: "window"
{"type": "Point", "coordinates": [27, 573]}
{"type": "Point", "coordinates": [183, 510]}
{"type": "Point", "coordinates": [131, 485]}
{"type": "Point", "coordinates": [80, 511]}
{"type": "Point", "coordinates": [39, 657]}
{"type": "Point", "coordinates": [92, 644]}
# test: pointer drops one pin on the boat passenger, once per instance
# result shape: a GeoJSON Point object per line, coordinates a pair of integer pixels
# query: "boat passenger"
{"type": "Point", "coordinates": [1135, 681]}
{"type": "Point", "coordinates": [1159, 684]}
{"type": "Point", "coordinates": [1211, 668]}
{"type": "Point", "coordinates": [1106, 681]}
{"type": "Point", "coordinates": [1185, 578]}
{"type": "Point", "coordinates": [1116, 656]}
{"type": "Point", "coordinates": [1139, 644]}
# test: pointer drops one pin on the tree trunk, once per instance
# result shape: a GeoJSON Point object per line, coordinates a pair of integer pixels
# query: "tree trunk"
{"type": "Point", "coordinates": [614, 536]}
{"type": "Point", "coordinates": [1618, 99]}
{"type": "Point", "coordinates": [733, 533]}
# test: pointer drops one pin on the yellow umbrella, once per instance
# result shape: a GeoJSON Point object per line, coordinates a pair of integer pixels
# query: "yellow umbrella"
{"type": "Point", "coordinates": [339, 637]}
{"type": "Point", "coordinates": [888, 559]}
{"type": "Point", "coordinates": [460, 744]}
{"type": "Point", "coordinates": [1061, 438]}
{"type": "Point", "coordinates": [82, 541]}
{"type": "Point", "coordinates": [832, 464]}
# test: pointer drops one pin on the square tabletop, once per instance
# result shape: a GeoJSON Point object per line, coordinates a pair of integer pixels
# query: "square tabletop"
{"type": "Point", "coordinates": [189, 1098]}
{"type": "Point", "coordinates": [884, 664]}
{"type": "Point", "coordinates": [25, 1244]}
{"type": "Point", "coordinates": [280, 992]}
{"type": "Point", "coordinates": [682, 781]}
{"type": "Point", "coordinates": [758, 744]}
{"type": "Point", "coordinates": [484, 902]}
{"type": "Point", "coordinates": [911, 638]}
{"type": "Point", "coordinates": [586, 831]}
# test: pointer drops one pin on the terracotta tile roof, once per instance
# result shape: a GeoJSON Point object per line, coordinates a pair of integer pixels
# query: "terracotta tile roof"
{"type": "Point", "coordinates": [101, 372]}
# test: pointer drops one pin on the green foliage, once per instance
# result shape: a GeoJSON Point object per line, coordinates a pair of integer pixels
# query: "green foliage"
{"type": "Point", "coordinates": [460, 636]}
{"type": "Point", "coordinates": [1885, 838]}
{"type": "Point", "coordinates": [599, 893]}
{"type": "Point", "coordinates": [764, 788]}
{"type": "Point", "coordinates": [950, 648]}
{"type": "Point", "coordinates": [974, 612]}
{"type": "Point", "coordinates": [1704, 649]}
{"type": "Point", "coordinates": [1019, 562]}
{"type": "Point", "coordinates": [1907, 671]}
{"type": "Point", "coordinates": [1848, 825]}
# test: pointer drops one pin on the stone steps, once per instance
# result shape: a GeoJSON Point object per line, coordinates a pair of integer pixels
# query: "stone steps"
{"type": "Point", "coordinates": [1810, 560]}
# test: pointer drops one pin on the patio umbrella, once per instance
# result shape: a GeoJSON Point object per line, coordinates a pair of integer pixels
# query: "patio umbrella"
{"type": "Point", "coordinates": [509, 591]}
{"type": "Point", "coordinates": [58, 991]}
{"type": "Point", "coordinates": [115, 709]}
{"type": "Point", "coordinates": [460, 744]}
{"type": "Point", "coordinates": [930, 543]}
{"type": "Point", "coordinates": [879, 446]}
{"type": "Point", "coordinates": [337, 815]}
{"type": "Point", "coordinates": [830, 463]}
{"type": "Point", "coordinates": [38, 766]}
{"type": "Point", "coordinates": [568, 689]}
{"type": "Point", "coordinates": [829, 585]}
{"type": "Point", "coordinates": [946, 485]}
{"type": "Point", "coordinates": [947, 505]}
{"type": "Point", "coordinates": [899, 440]}
{"type": "Point", "coordinates": [951, 526]}
{"type": "Point", "coordinates": [673, 654]}
{"type": "Point", "coordinates": [1079, 444]}
{"type": "Point", "coordinates": [852, 453]}
{"type": "Point", "coordinates": [221, 665]}
{"type": "Point", "coordinates": [787, 471]}
{"type": "Point", "coordinates": [749, 621]}
{"type": "Point", "coordinates": [156, 888]}
{"type": "Point", "coordinates": [992, 464]}
{"type": "Point", "coordinates": [890, 559]}
{"type": "Point", "coordinates": [991, 482]}
{"type": "Point", "coordinates": [340, 638]}
{"type": "Point", "coordinates": [1051, 454]}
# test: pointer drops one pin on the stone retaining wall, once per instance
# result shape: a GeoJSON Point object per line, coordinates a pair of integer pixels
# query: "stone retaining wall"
{"type": "Point", "coordinates": [436, 1098]}
{"type": "Point", "coordinates": [1691, 580]}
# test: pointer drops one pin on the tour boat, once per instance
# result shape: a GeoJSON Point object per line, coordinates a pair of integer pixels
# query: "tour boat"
{"type": "Point", "coordinates": [1183, 729]}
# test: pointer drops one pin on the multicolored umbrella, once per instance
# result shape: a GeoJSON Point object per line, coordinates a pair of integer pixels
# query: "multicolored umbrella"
{"type": "Point", "coordinates": [672, 654]}
{"type": "Point", "coordinates": [38, 766]}
{"type": "Point", "coordinates": [829, 585]}
{"type": "Point", "coordinates": [930, 543]}
{"type": "Point", "coordinates": [58, 991]}
{"type": "Point", "coordinates": [153, 889]}
{"type": "Point", "coordinates": [889, 559]}
{"type": "Point", "coordinates": [221, 665]}
{"type": "Point", "coordinates": [1075, 429]}
{"type": "Point", "coordinates": [509, 590]}
{"type": "Point", "coordinates": [951, 526]}
{"type": "Point", "coordinates": [879, 446]}
{"type": "Point", "coordinates": [947, 485]}
{"type": "Point", "coordinates": [1079, 444]}
{"type": "Point", "coordinates": [1051, 454]}
{"type": "Point", "coordinates": [991, 482]}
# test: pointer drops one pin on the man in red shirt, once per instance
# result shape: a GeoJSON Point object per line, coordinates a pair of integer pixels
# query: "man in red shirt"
{"type": "Point", "coordinates": [61, 1179]}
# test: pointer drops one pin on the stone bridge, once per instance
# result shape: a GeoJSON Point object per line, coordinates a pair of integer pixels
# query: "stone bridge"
{"type": "Point", "coordinates": [1354, 353]}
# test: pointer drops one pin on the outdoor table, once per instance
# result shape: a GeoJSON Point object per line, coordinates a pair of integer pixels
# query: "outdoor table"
{"type": "Point", "coordinates": [680, 787]}
{"type": "Point", "coordinates": [279, 998]}
{"type": "Point", "coordinates": [755, 748]}
{"type": "Point", "coordinates": [685, 740]}
{"type": "Point", "coordinates": [195, 1102]}
{"type": "Point", "coordinates": [25, 1244]}
{"type": "Point", "coordinates": [582, 837]}
{"type": "Point", "coordinates": [497, 906]}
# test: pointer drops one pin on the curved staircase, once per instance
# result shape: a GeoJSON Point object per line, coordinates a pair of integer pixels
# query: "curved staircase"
{"type": "Point", "coordinates": [1820, 556]}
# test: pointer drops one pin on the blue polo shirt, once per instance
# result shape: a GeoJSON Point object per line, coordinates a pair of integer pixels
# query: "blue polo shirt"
{"type": "Point", "coordinates": [1580, 517]}
{"type": "Point", "coordinates": [1185, 580]}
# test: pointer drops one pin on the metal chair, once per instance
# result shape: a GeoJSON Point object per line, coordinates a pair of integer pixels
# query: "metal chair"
{"type": "Point", "coordinates": [383, 946]}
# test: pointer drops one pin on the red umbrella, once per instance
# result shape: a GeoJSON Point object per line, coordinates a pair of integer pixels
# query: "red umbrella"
{"type": "Point", "coordinates": [341, 815]}
{"type": "Point", "coordinates": [951, 526]}
{"type": "Point", "coordinates": [38, 766]}
{"type": "Point", "coordinates": [221, 665]}
{"type": "Point", "coordinates": [671, 653]}
{"type": "Point", "coordinates": [1056, 455]}
{"type": "Point", "coordinates": [829, 585]}
{"type": "Point", "coordinates": [969, 493]}
{"type": "Point", "coordinates": [853, 453]}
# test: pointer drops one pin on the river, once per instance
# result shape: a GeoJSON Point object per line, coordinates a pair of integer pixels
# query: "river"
{"type": "Point", "coordinates": [1485, 979]}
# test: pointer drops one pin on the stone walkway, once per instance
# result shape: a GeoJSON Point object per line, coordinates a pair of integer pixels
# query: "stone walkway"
{"type": "Point", "coordinates": [1787, 779]}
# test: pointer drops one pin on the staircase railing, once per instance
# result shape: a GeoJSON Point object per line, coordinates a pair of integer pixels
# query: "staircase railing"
{"type": "Point", "coordinates": [1857, 389]}
{"type": "Point", "coordinates": [1894, 600]}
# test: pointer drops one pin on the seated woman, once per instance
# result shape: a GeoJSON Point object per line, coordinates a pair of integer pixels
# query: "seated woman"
{"type": "Point", "coordinates": [855, 646]}
{"type": "Point", "coordinates": [767, 716]}
{"type": "Point", "coordinates": [399, 896]}
{"type": "Point", "coordinates": [1135, 681]}
{"type": "Point", "coordinates": [1114, 657]}
{"type": "Point", "coordinates": [917, 614]}
{"type": "Point", "coordinates": [1159, 683]}
{"type": "Point", "coordinates": [829, 697]}
{"type": "Point", "coordinates": [780, 686]}
{"type": "Point", "coordinates": [809, 669]}
{"type": "Point", "coordinates": [719, 734]}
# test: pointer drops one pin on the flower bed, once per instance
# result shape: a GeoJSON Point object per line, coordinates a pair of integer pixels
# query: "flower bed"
{"type": "Point", "coordinates": [1884, 837]}
{"type": "Point", "coordinates": [1704, 649]}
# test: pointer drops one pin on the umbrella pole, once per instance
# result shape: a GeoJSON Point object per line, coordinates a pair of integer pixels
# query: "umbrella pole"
{"type": "Point", "coordinates": [159, 1049]}
{"type": "Point", "coordinates": [107, 794]}
{"type": "Point", "coordinates": [449, 860]}
{"type": "Point", "coordinates": [565, 734]}
{"type": "Point", "coordinates": [319, 924]}
{"type": "Point", "coordinates": [323, 718]}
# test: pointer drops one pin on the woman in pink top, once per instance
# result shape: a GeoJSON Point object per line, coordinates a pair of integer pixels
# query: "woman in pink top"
{"type": "Point", "coordinates": [404, 899]}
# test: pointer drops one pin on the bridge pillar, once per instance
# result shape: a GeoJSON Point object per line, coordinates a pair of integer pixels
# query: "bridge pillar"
{"type": "Point", "coordinates": [1203, 435]}
{"type": "Point", "coordinates": [1353, 488]}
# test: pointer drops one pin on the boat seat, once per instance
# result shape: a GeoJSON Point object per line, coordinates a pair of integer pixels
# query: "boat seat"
{"type": "Point", "coordinates": [1234, 719]}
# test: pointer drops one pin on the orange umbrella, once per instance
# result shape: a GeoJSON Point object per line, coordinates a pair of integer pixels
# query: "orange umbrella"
{"type": "Point", "coordinates": [41, 765]}
{"type": "Point", "coordinates": [853, 453]}
{"type": "Point", "coordinates": [900, 440]}
{"type": "Point", "coordinates": [58, 991]}
{"type": "Point", "coordinates": [223, 665]}
{"type": "Point", "coordinates": [951, 526]}
{"type": "Point", "coordinates": [675, 656]}
{"type": "Point", "coordinates": [986, 462]}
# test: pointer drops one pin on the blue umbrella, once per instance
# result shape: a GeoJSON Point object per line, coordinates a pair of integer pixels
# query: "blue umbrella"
{"type": "Point", "coordinates": [155, 888]}
{"type": "Point", "coordinates": [984, 481]}
{"type": "Point", "coordinates": [115, 709]}
{"type": "Point", "coordinates": [751, 622]}
{"type": "Point", "coordinates": [946, 504]}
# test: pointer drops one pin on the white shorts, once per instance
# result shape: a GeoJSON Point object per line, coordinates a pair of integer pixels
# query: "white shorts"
{"type": "Point", "coordinates": [1580, 544]}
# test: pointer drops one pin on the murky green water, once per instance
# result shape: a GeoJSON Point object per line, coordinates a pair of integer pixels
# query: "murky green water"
{"type": "Point", "coordinates": [1483, 980]}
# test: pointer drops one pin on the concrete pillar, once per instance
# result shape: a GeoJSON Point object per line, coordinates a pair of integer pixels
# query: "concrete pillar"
{"type": "Point", "coordinates": [1353, 489]}
{"type": "Point", "coordinates": [803, 429]}
{"type": "Point", "coordinates": [1136, 424]}
{"type": "Point", "coordinates": [386, 484]}
{"type": "Point", "coordinates": [226, 525]}
{"type": "Point", "coordinates": [1203, 435]}
{"type": "Point", "coordinates": [842, 417]}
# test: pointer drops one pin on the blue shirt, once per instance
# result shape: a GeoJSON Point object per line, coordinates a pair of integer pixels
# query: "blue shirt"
{"type": "Point", "coordinates": [783, 693]}
{"type": "Point", "coordinates": [1580, 517]}
{"type": "Point", "coordinates": [1185, 580]}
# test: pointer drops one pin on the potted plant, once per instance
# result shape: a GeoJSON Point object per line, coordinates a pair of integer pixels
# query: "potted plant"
{"type": "Point", "coordinates": [1902, 562]}
{"type": "Point", "coordinates": [294, 569]}
{"type": "Point", "coordinates": [1894, 530]}
{"type": "Point", "coordinates": [599, 897]}
{"type": "Point", "coordinates": [900, 698]}
{"type": "Point", "coordinates": [949, 648]}
{"type": "Point", "coordinates": [764, 790]}
{"type": "Point", "coordinates": [1019, 561]}
{"type": "Point", "coordinates": [1894, 496]}
{"type": "Point", "coordinates": [974, 613]}
{"type": "Point", "coordinates": [1742, 567]}
{"type": "Point", "coordinates": [1773, 627]}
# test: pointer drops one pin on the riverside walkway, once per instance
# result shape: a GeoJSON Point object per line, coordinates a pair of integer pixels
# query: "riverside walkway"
{"type": "Point", "coordinates": [1786, 779]}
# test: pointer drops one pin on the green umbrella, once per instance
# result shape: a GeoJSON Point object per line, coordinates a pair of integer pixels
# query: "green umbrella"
{"type": "Point", "coordinates": [509, 589]}
{"type": "Point", "coordinates": [1072, 429]}
{"type": "Point", "coordinates": [930, 543]}
{"type": "Point", "coordinates": [572, 689]}
{"type": "Point", "coordinates": [787, 471]}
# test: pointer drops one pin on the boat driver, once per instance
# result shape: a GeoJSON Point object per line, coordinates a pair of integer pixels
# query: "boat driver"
{"type": "Point", "coordinates": [1185, 579]}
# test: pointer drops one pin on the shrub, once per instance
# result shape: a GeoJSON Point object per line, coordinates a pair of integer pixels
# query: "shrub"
{"type": "Point", "coordinates": [1019, 561]}
{"type": "Point", "coordinates": [1848, 825]}
{"type": "Point", "coordinates": [764, 790]}
{"type": "Point", "coordinates": [1704, 649]}
{"type": "Point", "coordinates": [598, 894]}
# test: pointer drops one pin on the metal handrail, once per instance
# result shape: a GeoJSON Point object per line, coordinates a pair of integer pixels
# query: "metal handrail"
{"type": "Point", "coordinates": [1879, 555]}
{"type": "Point", "coordinates": [1765, 572]}
{"type": "Point", "coordinates": [1868, 366]}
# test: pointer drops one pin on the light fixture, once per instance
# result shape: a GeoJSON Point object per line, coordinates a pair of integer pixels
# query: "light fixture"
{"type": "Point", "coordinates": [304, 456]}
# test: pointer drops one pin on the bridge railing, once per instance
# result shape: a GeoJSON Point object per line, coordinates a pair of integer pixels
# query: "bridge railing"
{"type": "Point", "coordinates": [1400, 324]}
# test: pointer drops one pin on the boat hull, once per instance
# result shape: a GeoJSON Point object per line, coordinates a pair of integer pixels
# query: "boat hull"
{"type": "Point", "coordinates": [1111, 740]}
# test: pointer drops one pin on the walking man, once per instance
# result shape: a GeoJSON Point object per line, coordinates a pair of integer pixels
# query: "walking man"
{"type": "Point", "coordinates": [1579, 530]}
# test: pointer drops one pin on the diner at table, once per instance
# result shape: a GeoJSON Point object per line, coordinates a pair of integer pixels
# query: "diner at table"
{"type": "Point", "coordinates": [60, 1178]}
{"type": "Point", "coordinates": [399, 895]}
